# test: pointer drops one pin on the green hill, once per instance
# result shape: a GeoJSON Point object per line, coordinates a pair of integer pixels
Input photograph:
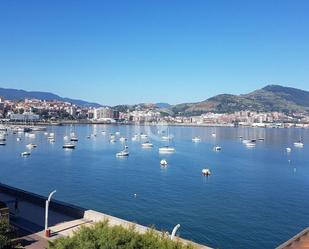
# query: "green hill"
{"type": "Point", "coordinates": [268, 99]}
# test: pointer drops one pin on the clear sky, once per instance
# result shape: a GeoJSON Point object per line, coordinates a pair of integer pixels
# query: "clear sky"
{"type": "Point", "coordinates": [124, 52]}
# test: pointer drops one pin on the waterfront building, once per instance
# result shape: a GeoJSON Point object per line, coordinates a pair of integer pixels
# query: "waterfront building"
{"type": "Point", "coordinates": [26, 116]}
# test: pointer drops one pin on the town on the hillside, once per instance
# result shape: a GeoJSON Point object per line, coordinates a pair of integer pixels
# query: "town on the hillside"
{"type": "Point", "coordinates": [57, 112]}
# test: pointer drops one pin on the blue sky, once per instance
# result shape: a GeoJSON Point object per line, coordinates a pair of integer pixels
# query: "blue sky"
{"type": "Point", "coordinates": [117, 52]}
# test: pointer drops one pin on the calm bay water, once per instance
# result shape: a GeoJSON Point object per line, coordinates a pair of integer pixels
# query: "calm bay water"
{"type": "Point", "coordinates": [255, 198]}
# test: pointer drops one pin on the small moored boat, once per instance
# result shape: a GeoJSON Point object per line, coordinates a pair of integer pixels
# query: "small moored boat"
{"type": "Point", "coordinates": [163, 163]}
{"type": "Point", "coordinates": [68, 146]}
{"type": "Point", "coordinates": [147, 145]}
{"type": "Point", "coordinates": [31, 146]}
{"type": "Point", "coordinates": [217, 148]}
{"type": "Point", "coordinates": [299, 144]}
{"type": "Point", "coordinates": [167, 149]}
{"type": "Point", "coordinates": [206, 172]}
{"type": "Point", "coordinates": [25, 153]}
{"type": "Point", "coordinates": [196, 139]}
{"type": "Point", "coordinates": [123, 153]}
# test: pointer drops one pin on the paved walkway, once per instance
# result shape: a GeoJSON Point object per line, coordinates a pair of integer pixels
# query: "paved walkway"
{"type": "Point", "coordinates": [30, 220]}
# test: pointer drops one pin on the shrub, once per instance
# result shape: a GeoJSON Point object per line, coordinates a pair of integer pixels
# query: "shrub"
{"type": "Point", "coordinates": [103, 236]}
{"type": "Point", "coordinates": [6, 235]}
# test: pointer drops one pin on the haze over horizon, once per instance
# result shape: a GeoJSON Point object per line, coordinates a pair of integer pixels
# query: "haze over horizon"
{"type": "Point", "coordinates": [153, 51]}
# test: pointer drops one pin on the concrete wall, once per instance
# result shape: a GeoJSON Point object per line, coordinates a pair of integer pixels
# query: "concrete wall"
{"type": "Point", "coordinates": [58, 206]}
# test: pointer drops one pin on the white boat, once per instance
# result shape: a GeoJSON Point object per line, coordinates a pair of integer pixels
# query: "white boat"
{"type": "Point", "coordinates": [288, 149]}
{"type": "Point", "coordinates": [214, 134]}
{"type": "Point", "coordinates": [135, 137]}
{"type": "Point", "coordinates": [25, 153]}
{"type": "Point", "coordinates": [112, 140]}
{"type": "Point", "coordinates": [52, 140]}
{"type": "Point", "coordinates": [103, 132]}
{"type": "Point", "coordinates": [250, 144]}
{"type": "Point", "coordinates": [144, 136]}
{"type": "Point", "coordinates": [112, 136]}
{"type": "Point", "coordinates": [123, 153]}
{"type": "Point", "coordinates": [299, 144]}
{"type": "Point", "coordinates": [18, 139]}
{"type": "Point", "coordinates": [38, 128]}
{"type": "Point", "coordinates": [122, 139]}
{"type": "Point", "coordinates": [68, 146]}
{"type": "Point", "coordinates": [167, 149]}
{"type": "Point", "coordinates": [117, 133]}
{"type": "Point", "coordinates": [217, 148]}
{"type": "Point", "coordinates": [31, 146]}
{"type": "Point", "coordinates": [147, 145]}
{"type": "Point", "coordinates": [196, 139]}
{"type": "Point", "coordinates": [74, 139]}
{"type": "Point", "coordinates": [206, 172]}
{"type": "Point", "coordinates": [245, 141]}
{"type": "Point", "coordinates": [45, 133]}
{"type": "Point", "coordinates": [166, 138]}
{"type": "Point", "coordinates": [66, 137]}
{"type": "Point", "coordinates": [2, 143]}
{"type": "Point", "coordinates": [163, 163]}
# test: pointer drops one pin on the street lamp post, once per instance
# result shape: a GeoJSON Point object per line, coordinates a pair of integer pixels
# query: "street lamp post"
{"type": "Point", "coordinates": [174, 231]}
{"type": "Point", "coordinates": [47, 231]}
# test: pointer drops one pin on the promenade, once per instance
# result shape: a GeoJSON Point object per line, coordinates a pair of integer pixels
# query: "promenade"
{"type": "Point", "coordinates": [29, 218]}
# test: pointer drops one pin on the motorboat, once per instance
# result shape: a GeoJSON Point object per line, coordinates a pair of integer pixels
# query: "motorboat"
{"type": "Point", "coordinates": [38, 128]}
{"type": "Point", "coordinates": [68, 146]}
{"type": "Point", "coordinates": [166, 138]}
{"type": "Point", "coordinates": [112, 140]}
{"type": "Point", "coordinates": [245, 141]}
{"type": "Point", "coordinates": [122, 139]}
{"type": "Point", "coordinates": [25, 153]}
{"type": "Point", "coordinates": [206, 172]}
{"type": "Point", "coordinates": [167, 149]}
{"type": "Point", "coordinates": [74, 139]}
{"type": "Point", "coordinates": [147, 145]}
{"type": "Point", "coordinates": [31, 146]}
{"type": "Point", "coordinates": [196, 139]}
{"type": "Point", "coordinates": [214, 134]}
{"type": "Point", "coordinates": [135, 137]}
{"type": "Point", "coordinates": [288, 149]}
{"type": "Point", "coordinates": [123, 153]}
{"type": "Point", "coordinates": [2, 143]}
{"type": "Point", "coordinates": [163, 163]}
{"type": "Point", "coordinates": [117, 133]}
{"type": "Point", "coordinates": [144, 136]}
{"type": "Point", "coordinates": [250, 144]}
{"type": "Point", "coordinates": [299, 144]}
{"type": "Point", "coordinates": [18, 139]}
{"type": "Point", "coordinates": [52, 140]}
{"type": "Point", "coordinates": [217, 148]}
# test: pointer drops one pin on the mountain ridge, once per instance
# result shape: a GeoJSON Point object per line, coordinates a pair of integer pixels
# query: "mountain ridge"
{"type": "Point", "coordinates": [18, 94]}
{"type": "Point", "coordinates": [267, 99]}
